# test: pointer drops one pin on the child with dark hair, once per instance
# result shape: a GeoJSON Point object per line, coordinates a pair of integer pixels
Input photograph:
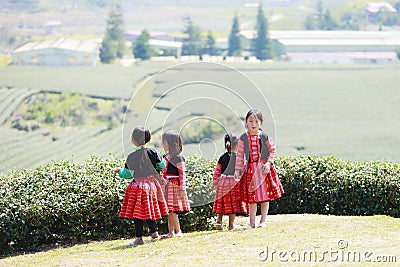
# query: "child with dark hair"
{"type": "Point", "coordinates": [259, 180]}
{"type": "Point", "coordinates": [144, 199]}
{"type": "Point", "coordinates": [226, 199]}
{"type": "Point", "coordinates": [175, 178]}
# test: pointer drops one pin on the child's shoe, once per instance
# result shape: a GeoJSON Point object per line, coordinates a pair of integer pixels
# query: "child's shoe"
{"type": "Point", "coordinates": [261, 225]}
{"type": "Point", "coordinates": [138, 241]}
{"type": "Point", "coordinates": [218, 226]}
{"type": "Point", "coordinates": [155, 237]}
{"type": "Point", "coordinates": [179, 234]}
{"type": "Point", "coordinates": [167, 236]}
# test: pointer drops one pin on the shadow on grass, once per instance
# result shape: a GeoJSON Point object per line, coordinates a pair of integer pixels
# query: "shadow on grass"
{"type": "Point", "coordinates": [192, 235]}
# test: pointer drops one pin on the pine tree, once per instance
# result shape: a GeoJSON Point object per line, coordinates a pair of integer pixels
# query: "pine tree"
{"type": "Point", "coordinates": [234, 45]}
{"type": "Point", "coordinates": [141, 48]}
{"type": "Point", "coordinates": [320, 15]}
{"type": "Point", "coordinates": [262, 44]}
{"type": "Point", "coordinates": [329, 22]}
{"type": "Point", "coordinates": [191, 44]}
{"type": "Point", "coordinates": [210, 48]}
{"type": "Point", "coordinates": [108, 50]}
{"type": "Point", "coordinates": [113, 45]}
{"type": "Point", "coordinates": [309, 24]}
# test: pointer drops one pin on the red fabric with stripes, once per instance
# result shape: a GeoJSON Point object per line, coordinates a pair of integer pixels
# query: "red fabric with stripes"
{"type": "Point", "coordinates": [144, 199]}
{"type": "Point", "coordinates": [175, 189]}
{"type": "Point", "coordinates": [254, 185]}
{"type": "Point", "coordinates": [226, 199]}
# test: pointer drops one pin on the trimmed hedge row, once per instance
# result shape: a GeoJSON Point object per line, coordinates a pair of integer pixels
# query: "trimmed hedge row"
{"type": "Point", "coordinates": [65, 201]}
{"type": "Point", "coordinates": [333, 186]}
{"type": "Point", "coordinates": [68, 202]}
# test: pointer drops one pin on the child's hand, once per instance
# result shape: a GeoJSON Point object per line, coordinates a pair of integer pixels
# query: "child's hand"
{"type": "Point", "coordinates": [216, 181]}
{"type": "Point", "coordinates": [238, 174]}
{"type": "Point", "coordinates": [183, 193]}
{"type": "Point", "coordinates": [266, 167]}
{"type": "Point", "coordinates": [116, 170]}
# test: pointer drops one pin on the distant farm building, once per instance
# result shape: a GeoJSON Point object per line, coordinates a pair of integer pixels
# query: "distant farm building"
{"type": "Point", "coordinates": [163, 43]}
{"type": "Point", "coordinates": [338, 46]}
{"type": "Point", "coordinates": [373, 9]}
{"type": "Point", "coordinates": [132, 35]}
{"type": "Point", "coordinates": [59, 52]}
{"type": "Point", "coordinates": [378, 47]}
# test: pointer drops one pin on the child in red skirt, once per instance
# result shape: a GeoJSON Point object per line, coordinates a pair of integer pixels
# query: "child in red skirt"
{"type": "Point", "coordinates": [259, 180]}
{"type": "Point", "coordinates": [175, 179]}
{"type": "Point", "coordinates": [144, 199]}
{"type": "Point", "coordinates": [226, 199]}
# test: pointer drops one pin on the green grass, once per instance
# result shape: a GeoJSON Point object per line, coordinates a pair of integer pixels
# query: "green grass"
{"type": "Point", "coordinates": [110, 81]}
{"type": "Point", "coordinates": [377, 235]}
{"type": "Point", "coordinates": [343, 110]}
{"type": "Point", "coordinates": [5, 59]}
{"type": "Point", "coordinates": [348, 113]}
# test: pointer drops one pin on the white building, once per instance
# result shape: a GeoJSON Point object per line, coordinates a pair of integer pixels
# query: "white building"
{"type": "Point", "coordinates": [338, 46]}
{"type": "Point", "coordinates": [332, 46]}
{"type": "Point", "coordinates": [58, 52]}
{"type": "Point", "coordinates": [165, 47]}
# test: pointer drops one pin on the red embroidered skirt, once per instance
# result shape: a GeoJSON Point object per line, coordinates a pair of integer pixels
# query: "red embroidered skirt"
{"type": "Point", "coordinates": [144, 199]}
{"type": "Point", "coordinates": [258, 187]}
{"type": "Point", "coordinates": [177, 199]}
{"type": "Point", "coordinates": [227, 200]}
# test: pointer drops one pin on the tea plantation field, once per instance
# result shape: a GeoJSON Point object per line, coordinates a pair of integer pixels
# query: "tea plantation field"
{"type": "Point", "coordinates": [349, 111]}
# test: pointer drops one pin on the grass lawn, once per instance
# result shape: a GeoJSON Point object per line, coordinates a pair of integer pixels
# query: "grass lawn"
{"type": "Point", "coordinates": [287, 239]}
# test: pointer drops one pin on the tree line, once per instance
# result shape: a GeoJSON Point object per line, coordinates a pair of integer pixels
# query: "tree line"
{"type": "Point", "coordinates": [113, 44]}
{"type": "Point", "coordinates": [322, 19]}
{"type": "Point", "coordinates": [195, 44]}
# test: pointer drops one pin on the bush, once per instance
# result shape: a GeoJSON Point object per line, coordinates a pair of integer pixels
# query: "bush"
{"type": "Point", "coordinates": [61, 201]}
{"type": "Point", "coordinates": [332, 186]}
{"type": "Point", "coordinates": [65, 201]}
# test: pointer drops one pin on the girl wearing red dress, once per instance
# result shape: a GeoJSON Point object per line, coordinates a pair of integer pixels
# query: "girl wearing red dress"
{"type": "Point", "coordinates": [226, 199]}
{"type": "Point", "coordinates": [175, 179]}
{"type": "Point", "coordinates": [144, 199]}
{"type": "Point", "coordinates": [259, 180]}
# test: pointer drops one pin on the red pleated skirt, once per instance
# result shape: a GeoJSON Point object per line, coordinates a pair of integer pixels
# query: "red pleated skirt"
{"type": "Point", "coordinates": [258, 187]}
{"type": "Point", "coordinates": [144, 199]}
{"type": "Point", "coordinates": [227, 200]}
{"type": "Point", "coordinates": [177, 199]}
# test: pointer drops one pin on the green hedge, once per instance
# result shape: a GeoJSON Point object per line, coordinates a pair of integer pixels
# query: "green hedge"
{"type": "Point", "coordinates": [333, 186]}
{"type": "Point", "coordinates": [65, 201]}
{"type": "Point", "coordinates": [69, 202]}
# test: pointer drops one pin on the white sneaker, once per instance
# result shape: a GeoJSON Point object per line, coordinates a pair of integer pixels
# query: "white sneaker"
{"type": "Point", "coordinates": [261, 225]}
{"type": "Point", "coordinates": [179, 234]}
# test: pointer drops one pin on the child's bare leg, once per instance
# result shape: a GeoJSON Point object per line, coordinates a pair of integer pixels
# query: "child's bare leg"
{"type": "Point", "coordinates": [170, 224]}
{"type": "Point", "coordinates": [231, 221]}
{"type": "Point", "coordinates": [177, 226]}
{"type": "Point", "coordinates": [175, 222]}
{"type": "Point", "coordinates": [219, 218]}
{"type": "Point", "coordinates": [264, 212]}
{"type": "Point", "coordinates": [252, 214]}
{"type": "Point", "coordinates": [218, 224]}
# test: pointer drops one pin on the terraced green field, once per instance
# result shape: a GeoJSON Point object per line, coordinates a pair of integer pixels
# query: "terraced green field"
{"type": "Point", "coordinates": [349, 111]}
